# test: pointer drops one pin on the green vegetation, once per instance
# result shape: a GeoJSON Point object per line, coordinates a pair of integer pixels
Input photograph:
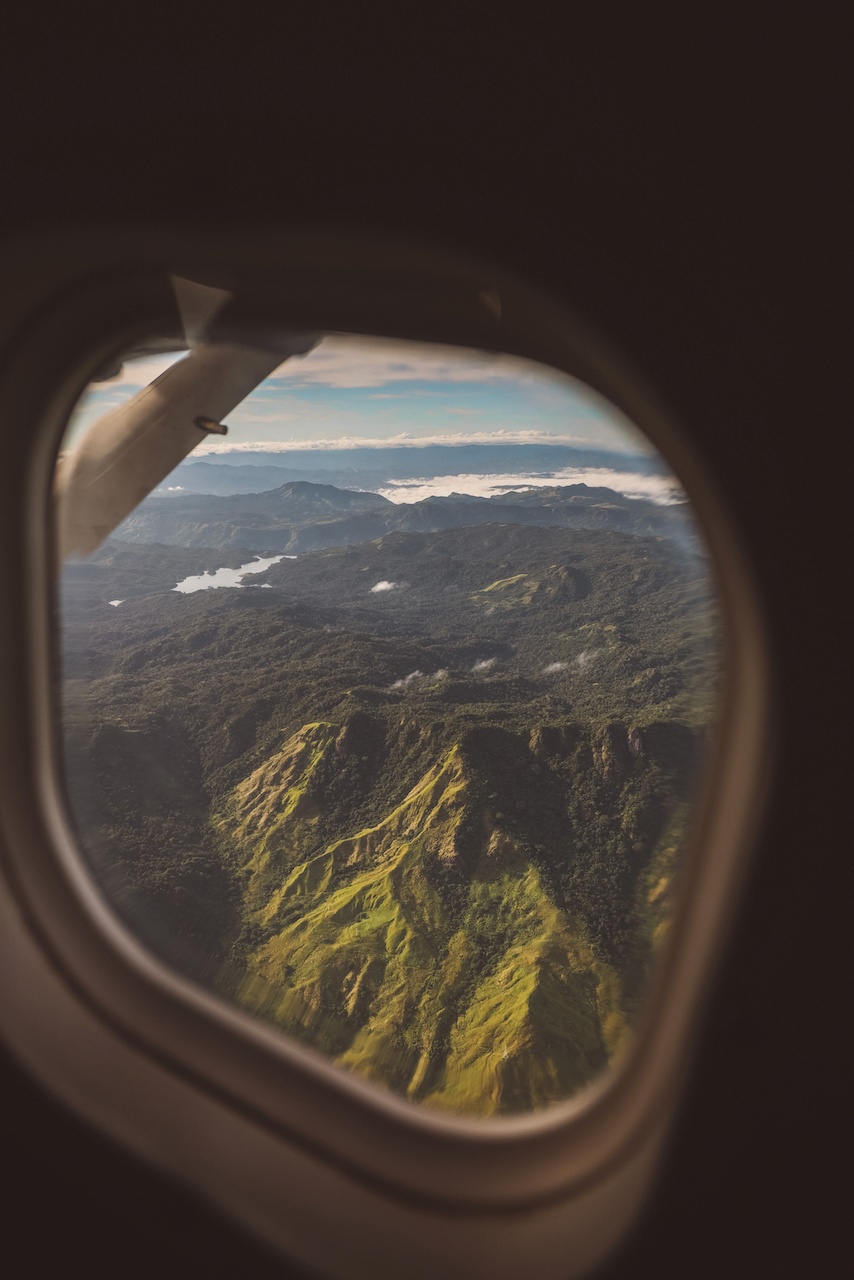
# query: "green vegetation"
{"type": "Point", "coordinates": [301, 516]}
{"type": "Point", "coordinates": [433, 832]}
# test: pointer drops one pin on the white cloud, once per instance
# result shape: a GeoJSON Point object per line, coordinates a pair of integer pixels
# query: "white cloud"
{"type": "Point", "coordinates": [418, 675]}
{"type": "Point", "coordinates": [554, 666]}
{"type": "Point", "coordinates": [342, 360]}
{"type": "Point", "coordinates": [655, 488]}
{"type": "Point", "coordinates": [345, 360]}
{"type": "Point", "coordinates": [413, 675]}
{"type": "Point", "coordinates": [387, 586]}
{"type": "Point", "coordinates": [407, 395]}
{"type": "Point", "coordinates": [582, 662]}
{"type": "Point", "coordinates": [483, 664]}
{"type": "Point", "coordinates": [406, 440]}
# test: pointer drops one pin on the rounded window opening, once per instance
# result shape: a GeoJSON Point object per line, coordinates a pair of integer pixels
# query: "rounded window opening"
{"type": "Point", "coordinates": [388, 676]}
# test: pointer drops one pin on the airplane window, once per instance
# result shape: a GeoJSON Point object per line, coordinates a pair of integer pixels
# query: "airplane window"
{"type": "Point", "coordinates": [388, 673]}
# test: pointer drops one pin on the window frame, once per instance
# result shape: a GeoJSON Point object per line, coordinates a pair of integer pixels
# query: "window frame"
{"type": "Point", "coordinates": [176, 1074]}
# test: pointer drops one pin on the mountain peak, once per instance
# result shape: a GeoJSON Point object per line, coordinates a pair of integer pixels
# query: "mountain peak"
{"type": "Point", "coordinates": [305, 491]}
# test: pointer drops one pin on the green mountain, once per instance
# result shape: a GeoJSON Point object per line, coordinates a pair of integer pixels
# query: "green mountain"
{"type": "Point", "coordinates": [301, 516]}
{"type": "Point", "coordinates": [466, 957]}
{"type": "Point", "coordinates": [432, 830]}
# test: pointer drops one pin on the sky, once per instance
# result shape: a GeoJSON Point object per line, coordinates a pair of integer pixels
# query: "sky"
{"type": "Point", "coordinates": [354, 391]}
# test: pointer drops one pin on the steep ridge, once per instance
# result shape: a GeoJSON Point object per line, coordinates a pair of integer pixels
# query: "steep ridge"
{"type": "Point", "coordinates": [429, 952]}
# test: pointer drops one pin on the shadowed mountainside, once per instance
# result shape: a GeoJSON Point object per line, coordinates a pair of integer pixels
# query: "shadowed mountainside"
{"type": "Point", "coordinates": [301, 516]}
{"type": "Point", "coordinates": [420, 802]}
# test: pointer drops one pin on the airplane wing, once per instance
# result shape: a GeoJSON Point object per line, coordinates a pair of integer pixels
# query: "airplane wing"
{"type": "Point", "coordinates": [130, 450]}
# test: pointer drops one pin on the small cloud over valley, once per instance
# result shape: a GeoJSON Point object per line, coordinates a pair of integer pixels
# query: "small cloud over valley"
{"type": "Point", "coordinates": [416, 676]}
{"type": "Point", "coordinates": [582, 662]}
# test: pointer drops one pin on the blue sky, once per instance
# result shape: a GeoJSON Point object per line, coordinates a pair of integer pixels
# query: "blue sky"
{"type": "Point", "coordinates": [362, 392]}
{"type": "Point", "coordinates": [375, 391]}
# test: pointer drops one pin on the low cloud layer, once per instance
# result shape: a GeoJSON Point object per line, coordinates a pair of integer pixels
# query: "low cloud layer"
{"type": "Point", "coordinates": [663, 490]}
{"type": "Point", "coordinates": [385, 585]}
{"type": "Point", "coordinates": [483, 664]}
{"type": "Point", "coordinates": [407, 440]}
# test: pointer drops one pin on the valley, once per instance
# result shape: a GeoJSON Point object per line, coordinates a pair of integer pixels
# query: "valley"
{"type": "Point", "coordinates": [421, 799]}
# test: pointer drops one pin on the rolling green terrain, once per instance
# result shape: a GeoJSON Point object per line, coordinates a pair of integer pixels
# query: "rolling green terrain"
{"type": "Point", "coordinates": [421, 802]}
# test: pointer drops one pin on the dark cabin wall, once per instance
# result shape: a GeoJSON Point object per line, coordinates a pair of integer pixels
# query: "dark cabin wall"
{"type": "Point", "coordinates": [683, 188]}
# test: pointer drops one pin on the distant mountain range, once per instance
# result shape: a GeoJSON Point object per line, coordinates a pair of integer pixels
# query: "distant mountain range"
{"type": "Point", "coordinates": [301, 516]}
{"type": "Point", "coordinates": [244, 471]}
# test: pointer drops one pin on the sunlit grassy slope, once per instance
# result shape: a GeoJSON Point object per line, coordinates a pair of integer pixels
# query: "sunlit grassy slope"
{"type": "Point", "coordinates": [434, 832]}
{"type": "Point", "coordinates": [427, 951]}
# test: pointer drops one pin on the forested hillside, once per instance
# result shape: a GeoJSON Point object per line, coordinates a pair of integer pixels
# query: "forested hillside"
{"type": "Point", "coordinates": [421, 802]}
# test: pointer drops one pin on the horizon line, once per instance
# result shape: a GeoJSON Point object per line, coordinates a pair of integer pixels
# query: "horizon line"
{"type": "Point", "coordinates": [482, 439]}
